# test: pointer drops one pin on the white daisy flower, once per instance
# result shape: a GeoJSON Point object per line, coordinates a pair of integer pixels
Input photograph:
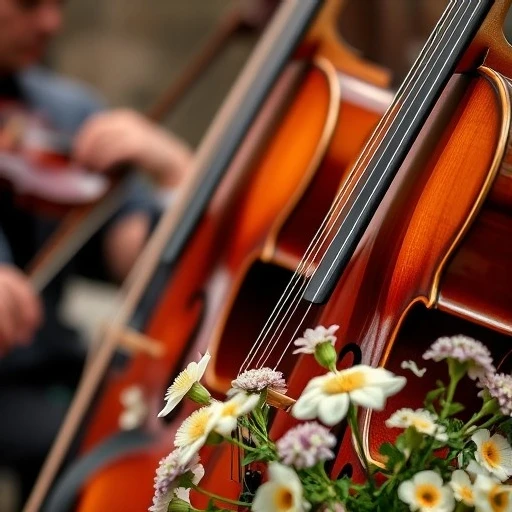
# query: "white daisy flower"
{"type": "Point", "coordinates": [314, 337]}
{"type": "Point", "coordinates": [421, 419]}
{"type": "Point", "coordinates": [227, 413]}
{"type": "Point", "coordinates": [194, 431]}
{"type": "Point", "coordinates": [493, 453]}
{"type": "Point", "coordinates": [491, 496]}
{"type": "Point", "coordinates": [184, 382]}
{"type": "Point", "coordinates": [462, 487]}
{"type": "Point", "coordinates": [425, 492]}
{"type": "Point", "coordinates": [282, 493]}
{"type": "Point", "coordinates": [328, 397]}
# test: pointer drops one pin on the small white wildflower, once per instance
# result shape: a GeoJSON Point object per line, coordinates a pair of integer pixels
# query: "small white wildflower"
{"type": "Point", "coordinates": [135, 408]}
{"type": "Point", "coordinates": [465, 350]}
{"type": "Point", "coordinates": [329, 396]}
{"type": "Point", "coordinates": [421, 419]}
{"type": "Point", "coordinates": [425, 492]}
{"type": "Point", "coordinates": [258, 379]}
{"type": "Point", "coordinates": [227, 413]}
{"type": "Point", "coordinates": [493, 453]}
{"type": "Point", "coordinates": [184, 382]}
{"type": "Point", "coordinates": [282, 493]}
{"type": "Point", "coordinates": [305, 445]}
{"type": "Point", "coordinates": [314, 337]}
{"type": "Point", "coordinates": [194, 431]}
{"type": "Point", "coordinates": [462, 487]}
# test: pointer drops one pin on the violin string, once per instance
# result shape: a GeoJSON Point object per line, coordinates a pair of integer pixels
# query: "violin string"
{"type": "Point", "coordinates": [416, 70]}
{"type": "Point", "coordinates": [322, 231]}
{"type": "Point", "coordinates": [291, 340]}
{"type": "Point", "coordinates": [429, 71]}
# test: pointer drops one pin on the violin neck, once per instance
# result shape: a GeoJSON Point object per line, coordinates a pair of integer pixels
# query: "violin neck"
{"type": "Point", "coordinates": [394, 136]}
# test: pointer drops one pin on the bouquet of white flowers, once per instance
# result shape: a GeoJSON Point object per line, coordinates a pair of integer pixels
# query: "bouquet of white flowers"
{"type": "Point", "coordinates": [439, 463]}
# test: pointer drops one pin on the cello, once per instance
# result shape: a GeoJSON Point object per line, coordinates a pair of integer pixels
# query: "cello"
{"type": "Point", "coordinates": [227, 247]}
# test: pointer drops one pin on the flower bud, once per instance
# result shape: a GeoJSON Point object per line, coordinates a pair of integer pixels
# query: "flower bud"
{"type": "Point", "coordinates": [326, 356]}
{"type": "Point", "coordinates": [199, 394]}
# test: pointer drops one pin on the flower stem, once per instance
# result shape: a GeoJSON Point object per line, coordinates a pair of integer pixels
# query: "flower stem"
{"type": "Point", "coordinates": [352, 420]}
{"type": "Point", "coordinates": [455, 376]}
{"type": "Point", "coordinates": [219, 498]}
{"type": "Point", "coordinates": [238, 443]}
{"type": "Point", "coordinates": [491, 421]}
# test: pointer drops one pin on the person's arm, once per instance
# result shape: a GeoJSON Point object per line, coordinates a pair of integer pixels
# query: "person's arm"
{"type": "Point", "coordinates": [112, 138]}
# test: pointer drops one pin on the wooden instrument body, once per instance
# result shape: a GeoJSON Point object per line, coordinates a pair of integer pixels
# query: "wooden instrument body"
{"type": "Point", "coordinates": [253, 236]}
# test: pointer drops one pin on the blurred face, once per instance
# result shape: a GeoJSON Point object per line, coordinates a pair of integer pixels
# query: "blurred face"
{"type": "Point", "coordinates": [26, 28]}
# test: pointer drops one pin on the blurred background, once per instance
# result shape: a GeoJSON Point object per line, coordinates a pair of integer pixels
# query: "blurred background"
{"type": "Point", "coordinates": [131, 50]}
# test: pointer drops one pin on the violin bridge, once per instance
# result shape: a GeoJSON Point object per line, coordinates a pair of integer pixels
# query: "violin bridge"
{"type": "Point", "coordinates": [279, 401]}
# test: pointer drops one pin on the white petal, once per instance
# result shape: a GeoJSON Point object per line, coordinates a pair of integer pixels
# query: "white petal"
{"type": "Point", "coordinates": [406, 492]}
{"type": "Point", "coordinates": [370, 397]}
{"type": "Point", "coordinates": [172, 402]}
{"type": "Point", "coordinates": [183, 494]}
{"type": "Point", "coordinates": [203, 363]}
{"type": "Point", "coordinates": [305, 409]}
{"type": "Point", "coordinates": [226, 425]}
{"type": "Point", "coordinates": [333, 409]}
{"type": "Point", "coordinates": [264, 498]}
{"type": "Point", "coordinates": [480, 436]}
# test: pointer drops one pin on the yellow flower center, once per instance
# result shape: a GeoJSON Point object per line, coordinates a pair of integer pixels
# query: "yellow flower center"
{"type": "Point", "coordinates": [344, 382]}
{"type": "Point", "coordinates": [491, 454]}
{"type": "Point", "coordinates": [197, 424]}
{"type": "Point", "coordinates": [421, 424]}
{"type": "Point", "coordinates": [182, 383]}
{"type": "Point", "coordinates": [498, 499]}
{"type": "Point", "coordinates": [230, 409]}
{"type": "Point", "coordinates": [283, 499]}
{"type": "Point", "coordinates": [427, 495]}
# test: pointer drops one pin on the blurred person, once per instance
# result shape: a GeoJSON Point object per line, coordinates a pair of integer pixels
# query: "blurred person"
{"type": "Point", "coordinates": [40, 357]}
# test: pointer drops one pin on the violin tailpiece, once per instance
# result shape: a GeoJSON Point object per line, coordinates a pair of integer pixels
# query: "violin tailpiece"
{"type": "Point", "coordinates": [279, 401]}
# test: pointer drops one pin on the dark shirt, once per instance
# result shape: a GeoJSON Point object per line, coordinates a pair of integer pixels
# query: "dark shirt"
{"type": "Point", "coordinates": [65, 105]}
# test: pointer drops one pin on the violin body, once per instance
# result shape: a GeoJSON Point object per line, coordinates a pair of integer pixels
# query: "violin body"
{"type": "Point", "coordinates": [249, 242]}
{"type": "Point", "coordinates": [35, 163]}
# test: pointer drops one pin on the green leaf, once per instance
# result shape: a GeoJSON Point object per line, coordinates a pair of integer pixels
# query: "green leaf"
{"type": "Point", "coordinates": [433, 395]}
{"type": "Point", "coordinates": [454, 408]}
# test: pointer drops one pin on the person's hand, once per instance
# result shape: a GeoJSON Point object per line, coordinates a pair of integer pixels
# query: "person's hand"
{"type": "Point", "coordinates": [123, 136]}
{"type": "Point", "coordinates": [20, 308]}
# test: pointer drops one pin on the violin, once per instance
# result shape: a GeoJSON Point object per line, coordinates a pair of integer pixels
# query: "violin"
{"type": "Point", "coordinates": [257, 196]}
{"type": "Point", "coordinates": [35, 161]}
